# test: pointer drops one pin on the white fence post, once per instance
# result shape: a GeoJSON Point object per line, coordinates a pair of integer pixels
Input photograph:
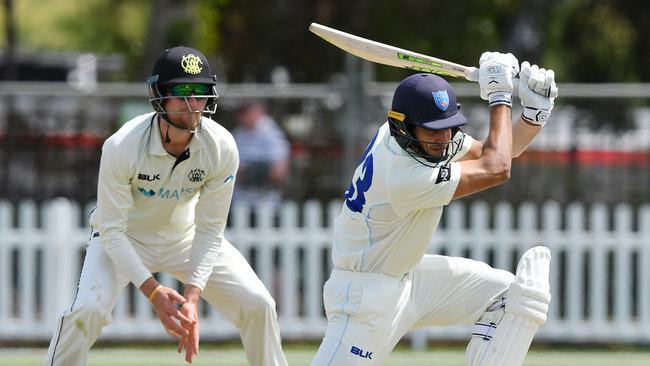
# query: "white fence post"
{"type": "Point", "coordinates": [573, 265]}
{"type": "Point", "coordinates": [455, 233]}
{"type": "Point", "coordinates": [313, 272]}
{"type": "Point", "coordinates": [289, 245]}
{"type": "Point", "coordinates": [503, 228]}
{"type": "Point", "coordinates": [59, 259]}
{"type": "Point", "coordinates": [623, 265]}
{"type": "Point", "coordinates": [598, 245]}
{"type": "Point", "coordinates": [27, 212]}
{"type": "Point", "coordinates": [7, 238]}
{"type": "Point", "coordinates": [265, 243]}
{"type": "Point", "coordinates": [644, 271]}
{"type": "Point", "coordinates": [551, 223]}
{"type": "Point", "coordinates": [480, 221]}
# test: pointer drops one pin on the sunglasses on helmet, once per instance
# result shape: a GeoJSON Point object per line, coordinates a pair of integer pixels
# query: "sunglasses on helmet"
{"type": "Point", "coordinates": [187, 90]}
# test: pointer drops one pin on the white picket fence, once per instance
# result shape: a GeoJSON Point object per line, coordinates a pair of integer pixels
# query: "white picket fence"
{"type": "Point", "coordinates": [600, 270]}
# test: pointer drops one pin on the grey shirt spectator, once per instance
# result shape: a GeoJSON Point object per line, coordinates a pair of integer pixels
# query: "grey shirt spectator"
{"type": "Point", "coordinates": [264, 156]}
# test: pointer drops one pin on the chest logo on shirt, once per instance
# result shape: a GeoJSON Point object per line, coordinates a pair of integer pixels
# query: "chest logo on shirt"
{"type": "Point", "coordinates": [444, 174]}
{"type": "Point", "coordinates": [149, 178]}
{"type": "Point", "coordinates": [196, 175]}
{"type": "Point", "coordinates": [149, 193]}
{"type": "Point", "coordinates": [169, 194]}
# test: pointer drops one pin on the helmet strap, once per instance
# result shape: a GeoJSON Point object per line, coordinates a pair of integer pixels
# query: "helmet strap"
{"type": "Point", "coordinates": [167, 139]}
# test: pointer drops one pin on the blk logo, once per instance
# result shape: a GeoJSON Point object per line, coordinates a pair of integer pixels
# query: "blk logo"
{"type": "Point", "coordinates": [359, 352]}
{"type": "Point", "coordinates": [149, 178]}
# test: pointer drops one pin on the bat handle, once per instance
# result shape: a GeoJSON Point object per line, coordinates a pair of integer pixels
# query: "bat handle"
{"type": "Point", "coordinates": [471, 74]}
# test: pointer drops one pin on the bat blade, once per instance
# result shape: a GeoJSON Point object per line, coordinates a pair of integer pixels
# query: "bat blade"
{"type": "Point", "coordinates": [388, 55]}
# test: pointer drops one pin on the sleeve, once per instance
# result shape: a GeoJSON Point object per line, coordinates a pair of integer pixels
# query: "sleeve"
{"type": "Point", "coordinates": [114, 200]}
{"type": "Point", "coordinates": [464, 149]}
{"type": "Point", "coordinates": [415, 187]}
{"type": "Point", "coordinates": [211, 214]}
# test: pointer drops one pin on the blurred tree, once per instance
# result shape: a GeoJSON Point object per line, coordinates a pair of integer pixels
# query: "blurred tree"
{"type": "Point", "coordinates": [260, 35]}
{"type": "Point", "coordinates": [597, 42]}
{"type": "Point", "coordinates": [174, 22]}
{"type": "Point", "coordinates": [583, 40]}
{"type": "Point", "coordinates": [10, 39]}
{"type": "Point", "coordinates": [139, 30]}
{"type": "Point", "coordinates": [592, 41]}
{"type": "Point", "coordinates": [638, 13]}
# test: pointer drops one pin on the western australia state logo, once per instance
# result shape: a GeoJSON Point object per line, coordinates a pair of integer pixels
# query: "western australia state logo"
{"type": "Point", "coordinates": [441, 98]}
{"type": "Point", "coordinates": [191, 64]}
{"type": "Point", "coordinates": [196, 175]}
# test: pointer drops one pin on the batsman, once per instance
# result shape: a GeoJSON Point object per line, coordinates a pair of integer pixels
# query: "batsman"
{"type": "Point", "coordinates": [383, 284]}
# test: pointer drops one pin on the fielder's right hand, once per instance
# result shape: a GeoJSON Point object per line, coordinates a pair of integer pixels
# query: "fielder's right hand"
{"type": "Point", "coordinates": [497, 73]}
{"type": "Point", "coordinates": [164, 301]}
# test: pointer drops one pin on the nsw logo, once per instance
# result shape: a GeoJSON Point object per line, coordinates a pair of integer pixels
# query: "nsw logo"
{"type": "Point", "coordinates": [146, 193]}
{"type": "Point", "coordinates": [441, 98]}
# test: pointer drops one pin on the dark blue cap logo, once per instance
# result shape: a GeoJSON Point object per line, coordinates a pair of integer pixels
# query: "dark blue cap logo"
{"type": "Point", "coordinates": [442, 99]}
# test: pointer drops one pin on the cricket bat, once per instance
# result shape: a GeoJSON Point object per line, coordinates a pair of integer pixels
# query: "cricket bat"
{"type": "Point", "coordinates": [388, 55]}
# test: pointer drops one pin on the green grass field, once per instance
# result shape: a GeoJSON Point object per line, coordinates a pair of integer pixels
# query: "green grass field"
{"type": "Point", "coordinates": [300, 355]}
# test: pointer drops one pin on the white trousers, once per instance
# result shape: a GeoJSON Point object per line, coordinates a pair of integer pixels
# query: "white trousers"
{"type": "Point", "coordinates": [233, 289]}
{"type": "Point", "coordinates": [368, 313]}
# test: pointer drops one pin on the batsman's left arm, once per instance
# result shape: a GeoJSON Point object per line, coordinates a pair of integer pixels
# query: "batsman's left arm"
{"type": "Point", "coordinates": [523, 133]}
{"type": "Point", "coordinates": [537, 93]}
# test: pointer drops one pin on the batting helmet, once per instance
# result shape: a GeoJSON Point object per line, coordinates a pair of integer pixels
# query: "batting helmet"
{"type": "Point", "coordinates": [182, 72]}
{"type": "Point", "coordinates": [426, 101]}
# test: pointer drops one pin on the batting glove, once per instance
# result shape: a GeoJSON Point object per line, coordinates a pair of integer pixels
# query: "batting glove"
{"type": "Point", "coordinates": [537, 91]}
{"type": "Point", "coordinates": [497, 72]}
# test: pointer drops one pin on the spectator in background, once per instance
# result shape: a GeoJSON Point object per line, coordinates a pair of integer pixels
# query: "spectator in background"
{"type": "Point", "coordinates": [264, 156]}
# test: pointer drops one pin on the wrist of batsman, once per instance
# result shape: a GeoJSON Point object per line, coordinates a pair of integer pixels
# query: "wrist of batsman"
{"type": "Point", "coordinates": [500, 97]}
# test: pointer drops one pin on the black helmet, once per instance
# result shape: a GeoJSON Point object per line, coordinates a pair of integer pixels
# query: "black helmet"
{"type": "Point", "coordinates": [427, 101]}
{"type": "Point", "coordinates": [181, 65]}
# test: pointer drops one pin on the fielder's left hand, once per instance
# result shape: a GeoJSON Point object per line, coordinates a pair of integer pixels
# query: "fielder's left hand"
{"type": "Point", "coordinates": [190, 341]}
{"type": "Point", "coordinates": [537, 91]}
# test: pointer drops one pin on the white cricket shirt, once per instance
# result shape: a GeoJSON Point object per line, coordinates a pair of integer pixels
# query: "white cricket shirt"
{"type": "Point", "coordinates": [392, 208]}
{"type": "Point", "coordinates": [147, 197]}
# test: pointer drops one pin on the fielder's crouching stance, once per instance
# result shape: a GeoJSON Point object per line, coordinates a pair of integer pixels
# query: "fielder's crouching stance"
{"type": "Point", "coordinates": [165, 184]}
{"type": "Point", "coordinates": [383, 285]}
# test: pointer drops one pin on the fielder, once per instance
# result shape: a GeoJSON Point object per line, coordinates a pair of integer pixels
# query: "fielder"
{"type": "Point", "coordinates": [383, 284]}
{"type": "Point", "coordinates": [165, 183]}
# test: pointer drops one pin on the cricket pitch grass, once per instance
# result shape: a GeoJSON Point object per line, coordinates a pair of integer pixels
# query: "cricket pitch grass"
{"type": "Point", "coordinates": [301, 355]}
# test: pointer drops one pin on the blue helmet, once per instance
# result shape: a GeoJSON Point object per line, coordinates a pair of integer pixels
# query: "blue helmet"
{"type": "Point", "coordinates": [426, 101]}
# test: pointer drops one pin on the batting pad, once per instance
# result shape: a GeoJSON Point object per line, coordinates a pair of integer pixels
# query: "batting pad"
{"type": "Point", "coordinates": [527, 301]}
